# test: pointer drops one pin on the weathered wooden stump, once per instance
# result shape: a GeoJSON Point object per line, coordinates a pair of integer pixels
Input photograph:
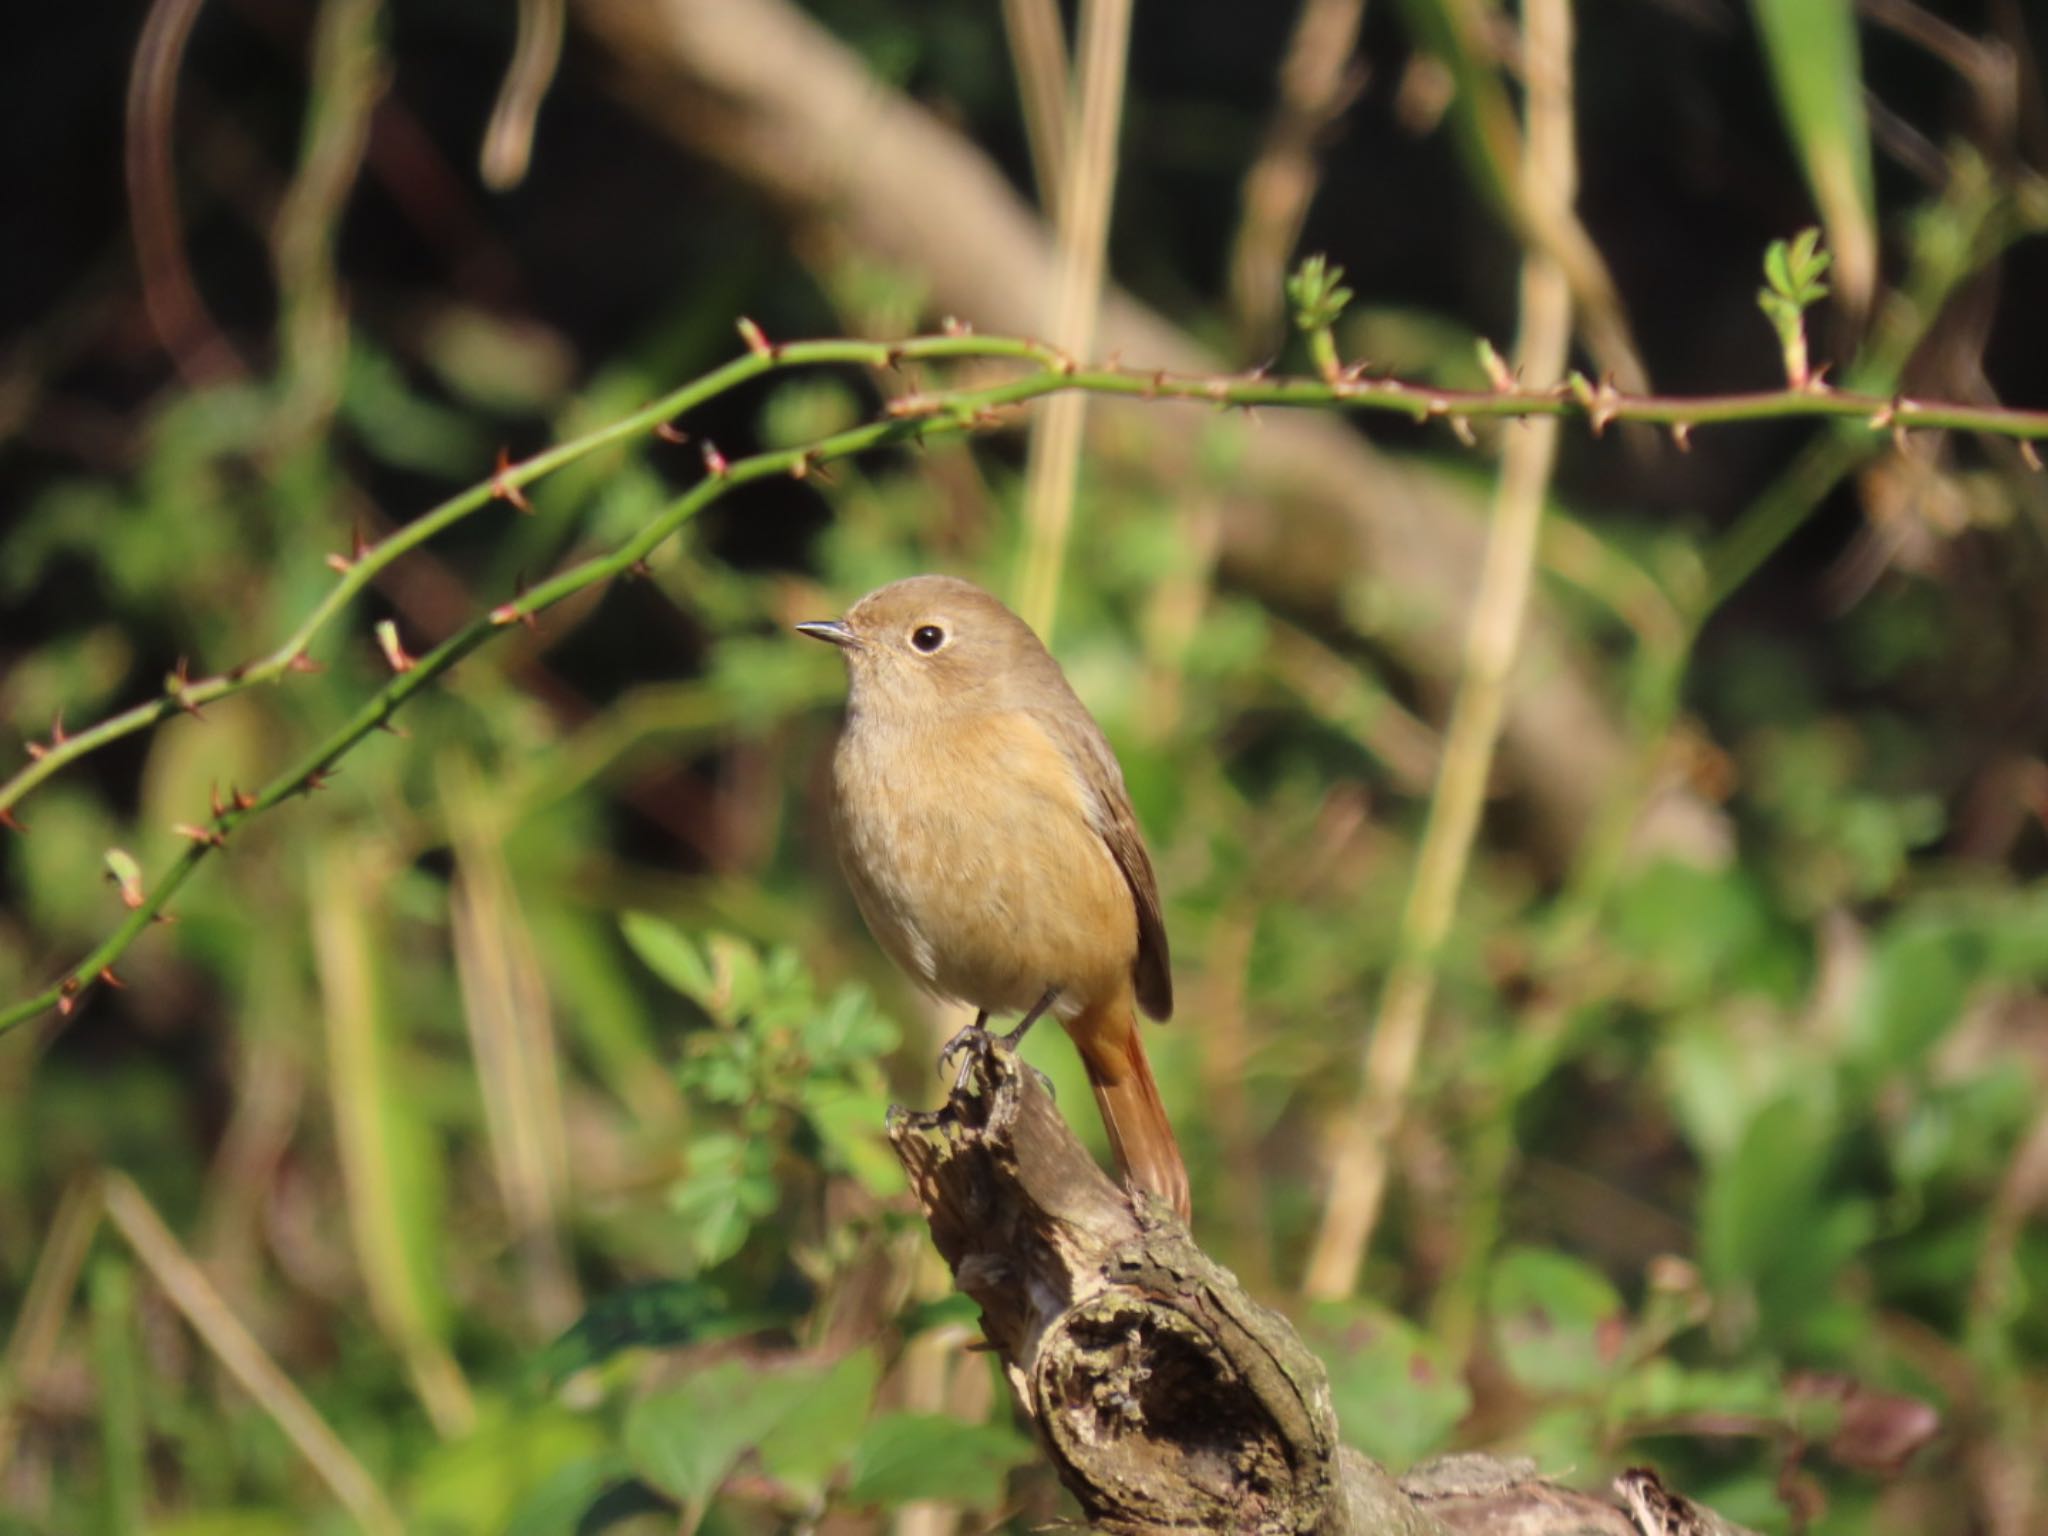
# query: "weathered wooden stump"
{"type": "Point", "coordinates": [1166, 1398]}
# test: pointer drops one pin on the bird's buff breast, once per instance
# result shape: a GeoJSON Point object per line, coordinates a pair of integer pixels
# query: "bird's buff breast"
{"type": "Point", "coordinates": [970, 852]}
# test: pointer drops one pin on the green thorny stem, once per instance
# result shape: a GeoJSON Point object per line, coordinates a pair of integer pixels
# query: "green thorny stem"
{"type": "Point", "coordinates": [907, 417]}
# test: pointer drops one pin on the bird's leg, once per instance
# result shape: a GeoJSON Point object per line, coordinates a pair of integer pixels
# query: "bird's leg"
{"type": "Point", "coordinates": [1015, 1037]}
{"type": "Point", "coordinates": [975, 1037]}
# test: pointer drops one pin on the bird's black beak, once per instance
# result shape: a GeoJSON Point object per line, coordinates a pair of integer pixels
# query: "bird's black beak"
{"type": "Point", "coordinates": [833, 631]}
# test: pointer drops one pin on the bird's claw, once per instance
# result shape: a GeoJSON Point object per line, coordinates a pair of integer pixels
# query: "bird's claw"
{"type": "Point", "coordinates": [975, 1039]}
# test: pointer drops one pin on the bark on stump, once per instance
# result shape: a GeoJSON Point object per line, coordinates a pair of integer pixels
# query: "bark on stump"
{"type": "Point", "coordinates": [1166, 1398]}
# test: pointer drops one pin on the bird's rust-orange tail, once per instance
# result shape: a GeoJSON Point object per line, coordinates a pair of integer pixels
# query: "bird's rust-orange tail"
{"type": "Point", "coordinates": [1140, 1135]}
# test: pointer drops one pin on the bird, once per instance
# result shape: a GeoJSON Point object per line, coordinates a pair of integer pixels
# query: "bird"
{"type": "Point", "coordinates": [982, 822]}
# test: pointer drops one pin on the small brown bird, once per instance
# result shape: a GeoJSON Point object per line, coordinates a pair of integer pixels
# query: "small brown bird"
{"type": "Point", "coordinates": [983, 824]}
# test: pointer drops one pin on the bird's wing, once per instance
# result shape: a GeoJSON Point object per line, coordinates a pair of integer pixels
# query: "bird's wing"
{"type": "Point", "coordinates": [1109, 812]}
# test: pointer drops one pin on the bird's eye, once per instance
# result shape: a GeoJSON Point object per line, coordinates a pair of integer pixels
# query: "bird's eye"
{"type": "Point", "coordinates": [928, 638]}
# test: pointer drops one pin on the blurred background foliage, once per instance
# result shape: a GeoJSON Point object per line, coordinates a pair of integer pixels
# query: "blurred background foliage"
{"type": "Point", "coordinates": [520, 1095]}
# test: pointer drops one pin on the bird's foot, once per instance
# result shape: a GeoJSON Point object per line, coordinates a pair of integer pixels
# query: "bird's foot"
{"type": "Point", "coordinates": [975, 1039]}
{"type": "Point", "coordinates": [1015, 1037]}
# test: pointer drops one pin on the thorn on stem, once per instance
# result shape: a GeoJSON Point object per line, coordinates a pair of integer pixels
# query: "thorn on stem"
{"type": "Point", "coordinates": [669, 432]}
{"type": "Point", "coordinates": [400, 659]}
{"type": "Point", "coordinates": [107, 975]}
{"type": "Point", "coordinates": [1498, 374]}
{"type": "Point", "coordinates": [1461, 428]}
{"type": "Point", "coordinates": [211, 837]}
{"type": "Point", "coordinates": [11, 822]}
{"type": "Point", "coordinates": [513, 613]}
{"type": "Point", "coordinates": [715, 462]}
{"type": "Point", "coordinates": [317, 779]}
{"type": "Point", "coordinates": [1681, 436]}
{"type": "Point", "coordinates": [175, 685]}
{"type": "Point", "coordinates": [301, 662]}
{"type": "Point", "coordinates": [756, 340]}
{"type": "Point", "coordinates": [502, 486]}
{"type": "Point", "coordinates": [2029, 454]}
{"type": "Point", "coordinates": [357, 544]}
{"type": "Point", "coordinates": [1598, 402]}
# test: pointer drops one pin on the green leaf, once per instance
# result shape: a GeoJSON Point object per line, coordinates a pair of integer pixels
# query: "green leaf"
{"type": "Point", "coordinates": [558, 1506]}
{"type": "Point", "coordinates": [1778, 269]}
{"type": "Point", "coordinates": [1763, 1200]}
{"type": "Point", "coordinates": [903, 1457]}
{"type": "Point", "coordinates": [686, 1438]}
{"type": "Point", "coordinates": [1560, 1324]}
{"type": "Point", "coordinates": [2016, 934]}
{"type": "Point", "coordinates": [849, 1119]}
{"type": "Point", "coordinates": [739, 979]}
{"type": "Point", "coordinates": [818, 1436]}
{"type": "Point", "coordinates": [847, 1029]}
{"type": "Point", "coordinates": [474, 1485]}
{"type": "Point", "coordinates": [1396, 1392]}
{"type": "Point", "coordinates": [671, 955]}
{"type": "Point", "coordinates": [403, 426]}
{"type": "Point", "coordinates": [1703, 935]}
{"type": "Point", "coordinates": [657, 1314]}
{"type": "Point", "coordinates": [727, 1185]}
{"type": "Point", "coordinates": [1317, 293]}
{"type": "Point", "coordinates": [1914, 989]}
